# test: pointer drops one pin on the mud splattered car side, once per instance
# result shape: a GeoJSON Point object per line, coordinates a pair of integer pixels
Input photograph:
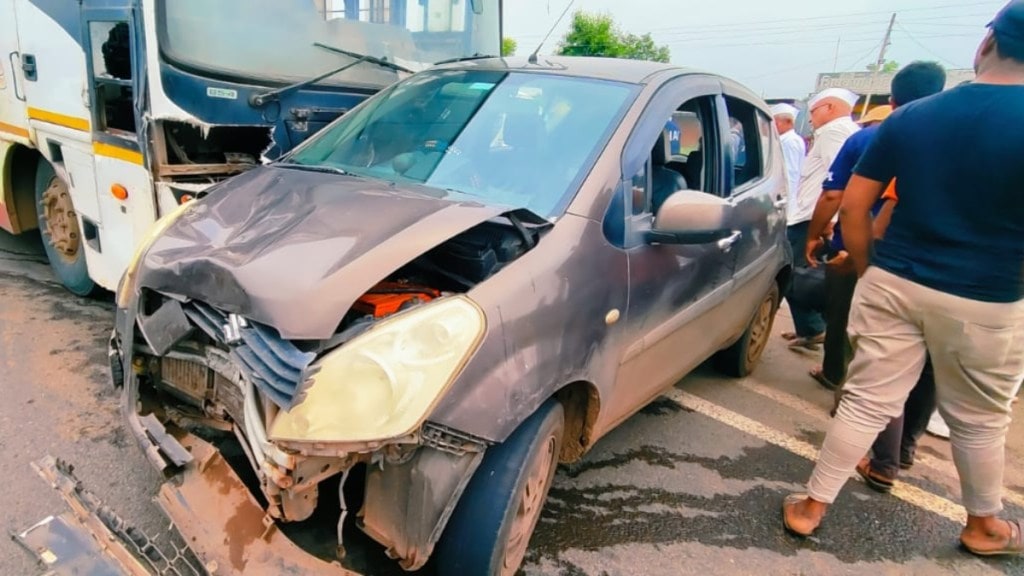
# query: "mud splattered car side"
{"type": "Point", "coordinates": [466, 280]}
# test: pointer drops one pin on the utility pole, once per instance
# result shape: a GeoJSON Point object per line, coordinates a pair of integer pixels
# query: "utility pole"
{"type": "Point", "coordinates": [880, 63]}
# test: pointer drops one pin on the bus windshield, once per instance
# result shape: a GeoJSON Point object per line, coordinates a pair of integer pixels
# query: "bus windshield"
{"type": "Point", "coordinates": [276, 40]}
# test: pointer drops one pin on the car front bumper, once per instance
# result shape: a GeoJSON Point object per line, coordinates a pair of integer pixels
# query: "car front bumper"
{"type": "Point", "coordinates": [224, 525]}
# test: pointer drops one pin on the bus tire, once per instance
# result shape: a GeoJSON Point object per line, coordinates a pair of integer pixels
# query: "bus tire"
{"type": "Point", "coordinates": [60, 231]}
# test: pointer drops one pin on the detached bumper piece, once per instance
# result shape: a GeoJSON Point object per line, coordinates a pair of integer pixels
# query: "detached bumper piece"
{"type": "Point", "coordinates": [91, 539]}
{"type": "Point", "coordinates": [226, 527]}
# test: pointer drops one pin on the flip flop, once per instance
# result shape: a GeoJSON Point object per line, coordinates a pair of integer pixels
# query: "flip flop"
{"type": "Point", "coordinates": [1014, 545]}
{"type": "Point", "coordinates": [789, 336]}
{"type": "Point", "coordinates": [810, 343]}
{"type": "Point", "coordinates": [819, 376]}
{"type": "Point", "coordinates": [873, 479]}
{"type": "Point", "coordinates": [791, 500]}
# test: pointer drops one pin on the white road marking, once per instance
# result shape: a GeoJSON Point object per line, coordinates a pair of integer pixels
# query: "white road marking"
{"type": "Point", "coordinates": [816, 411]}
{"type": "Point", "coordinates": [910, 494]}
{"type": "Point", "coordinates": [786, 399]}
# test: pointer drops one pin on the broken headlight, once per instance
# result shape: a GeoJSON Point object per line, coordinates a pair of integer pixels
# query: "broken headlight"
{"type": "Point", "coordinates": [385, 382]}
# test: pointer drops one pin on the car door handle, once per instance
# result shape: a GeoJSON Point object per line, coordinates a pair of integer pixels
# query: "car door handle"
{"type": "Point", "coordinates": [726, 243]}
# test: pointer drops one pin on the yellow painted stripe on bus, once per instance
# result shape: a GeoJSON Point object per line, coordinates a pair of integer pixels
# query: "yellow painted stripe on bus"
{"type": "Point", "coordinates": [116, 152]}
{"type": "Point", "coordinates": [11, 129]}
{"type": "Point", "coordinates": [59, 119]}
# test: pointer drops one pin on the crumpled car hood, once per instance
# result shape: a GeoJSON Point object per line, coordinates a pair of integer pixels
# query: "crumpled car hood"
{"type": "Point", "coordinates": [295, 249]}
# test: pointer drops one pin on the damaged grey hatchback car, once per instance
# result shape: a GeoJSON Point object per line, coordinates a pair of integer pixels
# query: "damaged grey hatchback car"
{"type": "Point", "coordinates": [461, 283]}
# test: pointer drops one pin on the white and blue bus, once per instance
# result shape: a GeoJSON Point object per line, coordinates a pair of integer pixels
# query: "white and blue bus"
{"type": "Point", "coordinates": [113, 112]}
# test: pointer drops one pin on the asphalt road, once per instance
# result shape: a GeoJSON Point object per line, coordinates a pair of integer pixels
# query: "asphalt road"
{"type": "Point", "coordinates": [691, 485]}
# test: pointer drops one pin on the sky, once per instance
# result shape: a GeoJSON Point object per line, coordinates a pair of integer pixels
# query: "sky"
{"type": "Point", "coordinates": [776, 48]}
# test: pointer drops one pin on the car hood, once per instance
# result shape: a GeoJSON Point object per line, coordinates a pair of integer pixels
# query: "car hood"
{"type": "Point", "coordinates": [294, 249]}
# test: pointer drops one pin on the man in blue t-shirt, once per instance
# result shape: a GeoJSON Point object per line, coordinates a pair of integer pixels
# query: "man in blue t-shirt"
{"type": "Point", "coordinates": [948, 277]}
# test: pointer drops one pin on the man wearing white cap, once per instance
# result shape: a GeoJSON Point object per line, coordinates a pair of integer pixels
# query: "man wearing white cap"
{"type": "Point", "coordinates": [794, 149]}
{"type": "Point", "coordinates": [830, 112]}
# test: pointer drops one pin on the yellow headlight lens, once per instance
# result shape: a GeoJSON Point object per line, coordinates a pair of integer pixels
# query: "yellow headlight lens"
{"type": "Point", "coordinates": [384, 383]}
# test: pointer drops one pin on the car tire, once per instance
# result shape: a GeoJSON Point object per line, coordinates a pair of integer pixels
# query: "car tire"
{"type": "Point", "coordinates": [491, 526]}
{"type": "Point", "coordinates": [740, 359]}
{"type": "Point", "coordinates": [67, 253]}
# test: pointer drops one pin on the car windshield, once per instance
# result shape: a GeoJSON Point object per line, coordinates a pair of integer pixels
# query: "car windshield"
{"type": "Point", "coordinates": [275, 39]}
{"type": "Point", "coordinates": [517, 139]}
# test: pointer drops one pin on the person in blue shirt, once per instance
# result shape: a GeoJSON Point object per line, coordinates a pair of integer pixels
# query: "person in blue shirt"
{"type": "Point", "coordinates": [674, 134]}
{"type": "Point", "coordinates": [948, 277]}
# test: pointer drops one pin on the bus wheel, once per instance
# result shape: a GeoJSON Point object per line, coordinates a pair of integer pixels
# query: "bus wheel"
{"type": "Point", "coordinates": [62, 236]}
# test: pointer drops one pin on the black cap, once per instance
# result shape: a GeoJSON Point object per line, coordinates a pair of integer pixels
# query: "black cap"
{"type": "Point", "coordinates": [1008, 28]}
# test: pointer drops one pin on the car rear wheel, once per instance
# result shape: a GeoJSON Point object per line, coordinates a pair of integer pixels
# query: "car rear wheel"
{"type": "Point", "coordinates": [490, 530]}
{"type": "Point", "coordinates": [62, 236]}
{"type": "Point", "coordinates": [740, 359]}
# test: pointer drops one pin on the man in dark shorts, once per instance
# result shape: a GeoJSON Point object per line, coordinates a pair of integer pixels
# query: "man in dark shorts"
{"type": "Point", "coordinates": [948, 277]}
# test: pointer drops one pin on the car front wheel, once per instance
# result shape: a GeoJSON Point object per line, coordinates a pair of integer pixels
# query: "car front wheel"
{"type": "Point", "coordinates": [490, 530]}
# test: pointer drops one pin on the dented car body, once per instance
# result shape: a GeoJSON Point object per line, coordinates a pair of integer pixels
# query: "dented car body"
{"type": "Point", "coordinates": [467, 279]}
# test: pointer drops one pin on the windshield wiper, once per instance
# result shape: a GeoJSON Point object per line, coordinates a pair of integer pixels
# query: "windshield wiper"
{"type": "Point", "coordinates": [384, 62]}
{"type": "Point", "coordinates": [476, 56]}
{"type": "Point", "coordinates": [258, 100]}
{"type": "Point", "coordinates": [312, 168]}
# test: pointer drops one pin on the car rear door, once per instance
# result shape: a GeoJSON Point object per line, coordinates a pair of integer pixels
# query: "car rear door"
{"type": "Point", "coordinates": [756, 187]}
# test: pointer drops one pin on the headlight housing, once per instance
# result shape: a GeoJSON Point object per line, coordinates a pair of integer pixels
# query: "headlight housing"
{"type": "Point", "coordinates": [384, 383]}
{"type": "Point", "coordinates": [127, 283]}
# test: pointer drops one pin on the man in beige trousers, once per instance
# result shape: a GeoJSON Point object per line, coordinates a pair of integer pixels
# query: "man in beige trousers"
{"type": "Point", "coordinates": [948, 278]}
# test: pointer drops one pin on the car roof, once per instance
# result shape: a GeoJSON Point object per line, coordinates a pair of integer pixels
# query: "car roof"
{"type": "Point", "coordinates": [614, 69]}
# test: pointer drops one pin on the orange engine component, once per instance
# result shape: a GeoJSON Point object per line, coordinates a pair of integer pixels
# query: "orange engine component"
{"type": "Point", "coordinates": [387, 298]}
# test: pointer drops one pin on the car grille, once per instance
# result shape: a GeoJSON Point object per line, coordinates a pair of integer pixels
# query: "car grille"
{"type": "Point", "coordinates": [274, 365]}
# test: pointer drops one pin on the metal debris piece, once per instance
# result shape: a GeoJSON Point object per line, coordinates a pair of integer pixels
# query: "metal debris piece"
{"type": "Point", "coordinates": [93, 539]}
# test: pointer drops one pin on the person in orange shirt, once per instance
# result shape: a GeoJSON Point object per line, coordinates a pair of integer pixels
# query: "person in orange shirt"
{"type": "Point", "coordinates": [884, 215]}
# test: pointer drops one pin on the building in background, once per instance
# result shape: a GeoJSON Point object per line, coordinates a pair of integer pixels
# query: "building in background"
{"type": "Point", "coordinates": [876, 85]}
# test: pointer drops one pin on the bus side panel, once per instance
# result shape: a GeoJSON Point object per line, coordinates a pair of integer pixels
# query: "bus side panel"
{"type": "Point", "coordinates": [14, 127]}
{"type": "Point", "coordinates": [13, 116]}
{"type": "Point", "coordinates": [125, 223]}
{"type": "Point", "coordinates": [49, 32]}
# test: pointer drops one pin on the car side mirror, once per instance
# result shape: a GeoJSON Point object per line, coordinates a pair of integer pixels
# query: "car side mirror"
{"type": "Point", "coordinates": [691, 217]}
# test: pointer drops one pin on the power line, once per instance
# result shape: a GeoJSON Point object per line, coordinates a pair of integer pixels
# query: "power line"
{"type": "Point", "coordinates": [925, 48]}
{"type": "Point", "coordinates": [838, 21]}
{"type": "Point", "coordinates": [813, 42]}
{"type": "Point", "coordinates": [758, 23]}
{"type": "Point", "coordinates": [853, 65]}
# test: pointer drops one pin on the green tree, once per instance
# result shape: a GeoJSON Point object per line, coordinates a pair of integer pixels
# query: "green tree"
{"type": "Point", "coordinates": [597, 35]}
{"type": "Point", "coordinates": [644, 48]}
{"type": "Point", "coordinates": [508, 46]}
{"type": "Point", "coordinates": [888, 67]}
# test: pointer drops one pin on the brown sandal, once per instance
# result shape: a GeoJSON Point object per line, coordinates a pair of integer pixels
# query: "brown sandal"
{"type": "Point", "coordinates": [1014, 544]}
